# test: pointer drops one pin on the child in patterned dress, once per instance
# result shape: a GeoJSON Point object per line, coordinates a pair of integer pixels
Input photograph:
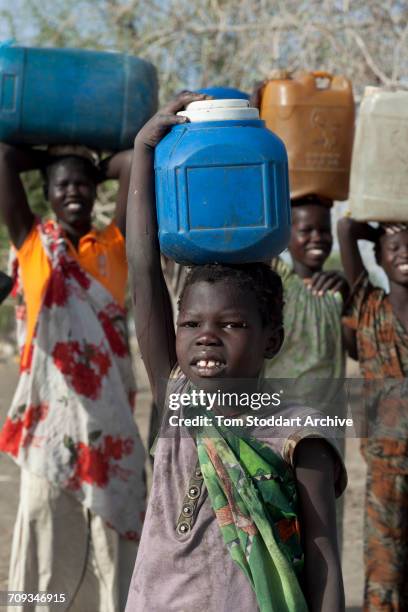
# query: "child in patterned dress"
{"type": "Point", "coordinates": [380, 321]}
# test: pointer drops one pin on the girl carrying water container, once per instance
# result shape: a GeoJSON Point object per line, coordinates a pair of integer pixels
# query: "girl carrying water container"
{"type": "Point", "coordinates": [233, 523]}
{"type": "Point", "coordinates": [380, 321]}
{"type": "Point", "coordinates": [378, 188]}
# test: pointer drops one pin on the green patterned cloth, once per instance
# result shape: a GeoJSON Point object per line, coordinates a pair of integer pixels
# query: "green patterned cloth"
{"type": "Point", "coordinates": [313, 331]}
{"type": "Point", "coordinates": [312, 347]}
{"type": "Point", "coordinates": [253, 494]}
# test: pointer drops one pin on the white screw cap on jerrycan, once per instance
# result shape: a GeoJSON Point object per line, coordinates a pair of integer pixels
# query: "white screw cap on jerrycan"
{"type": "Point", "coordinates": [222, 187]}
{"type": "Point", "coordinates": [219, 110]}
{"type": "Point", "coordinates": [379, 168]}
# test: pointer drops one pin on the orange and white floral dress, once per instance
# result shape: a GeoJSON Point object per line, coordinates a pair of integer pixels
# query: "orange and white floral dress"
{"type": "Point", "coordinates": [71, 422]}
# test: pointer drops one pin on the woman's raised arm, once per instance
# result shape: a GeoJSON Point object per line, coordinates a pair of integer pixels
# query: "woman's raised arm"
{"type": "Point", "coordinates": [14, 208]}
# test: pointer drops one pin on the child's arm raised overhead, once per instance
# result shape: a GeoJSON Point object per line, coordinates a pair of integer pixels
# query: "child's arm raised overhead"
{"type": "Point", "coordinates": [349, 233]}
{"type": "Point", "coordinates": [151, 301]}
{"type": "Point", "coordinates": [314, 466]}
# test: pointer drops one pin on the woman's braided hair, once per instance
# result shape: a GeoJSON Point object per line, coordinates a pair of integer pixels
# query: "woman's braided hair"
{"type": "Point", "coordinates": [257, 278]}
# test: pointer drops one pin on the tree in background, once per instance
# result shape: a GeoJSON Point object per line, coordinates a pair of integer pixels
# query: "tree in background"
{"type": "Point", "coordinates": [198, 43]}
{"type": "Point", "coordinates": [229, 42]}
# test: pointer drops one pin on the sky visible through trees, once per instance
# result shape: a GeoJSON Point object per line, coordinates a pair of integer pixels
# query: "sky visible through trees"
{"type": "Point", "coordinates": [201, 43]}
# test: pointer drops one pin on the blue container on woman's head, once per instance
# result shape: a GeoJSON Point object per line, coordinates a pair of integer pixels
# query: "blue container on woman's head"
{"type": "Point", "coordinates": [74, 96]}
{"type": "Point", "coordinates": [224, 93]}
{"type": "Point", "coordinates": [222, 187]}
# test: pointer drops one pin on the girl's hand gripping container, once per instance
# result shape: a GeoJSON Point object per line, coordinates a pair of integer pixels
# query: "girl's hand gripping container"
{"type": "Point", "coordinates": [379, 169]}
{"type": "Point", "coordinates": [317, 126]}
{"type": "Point", "coordinates": [72, 96]}
{"type": "Point", "coordinates": [222, 187]}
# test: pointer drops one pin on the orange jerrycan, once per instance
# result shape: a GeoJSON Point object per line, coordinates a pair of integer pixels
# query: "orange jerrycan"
{"type": "Point", "coordinates": [313, 113]}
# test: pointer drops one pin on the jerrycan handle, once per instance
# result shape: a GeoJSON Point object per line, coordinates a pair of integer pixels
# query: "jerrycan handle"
{"type": "Point", "coordinates": [322, 74]}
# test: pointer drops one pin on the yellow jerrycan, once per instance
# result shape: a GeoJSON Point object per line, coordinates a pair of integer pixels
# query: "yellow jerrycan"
{"type": "Point", "coordinates": [379, 168]}
{"type": "Point", "coordinates": [313, 113]}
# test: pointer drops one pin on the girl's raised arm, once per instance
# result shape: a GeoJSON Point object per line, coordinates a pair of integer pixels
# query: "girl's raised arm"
{"type": "Point", "coordinates": [118, 167]}
{"type": "Point", "coordinates": [349, 233]}
{"type": "Point", "coordinates": [314, 466]}
{"type": "Point", "coordinates": [151, 301]}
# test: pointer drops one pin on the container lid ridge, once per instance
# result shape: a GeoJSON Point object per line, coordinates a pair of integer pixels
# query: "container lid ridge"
{"type": "Point", "coordinates": [220, 110]}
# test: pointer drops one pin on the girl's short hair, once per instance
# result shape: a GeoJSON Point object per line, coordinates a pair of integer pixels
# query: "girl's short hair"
{"type": "Point", "coordinates": [312, 199]}
{"type": "Point", "coordinates": [258, 278]}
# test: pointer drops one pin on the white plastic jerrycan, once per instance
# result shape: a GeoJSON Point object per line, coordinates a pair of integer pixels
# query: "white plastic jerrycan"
{"type": "Point", "coordinates": [379, 169]}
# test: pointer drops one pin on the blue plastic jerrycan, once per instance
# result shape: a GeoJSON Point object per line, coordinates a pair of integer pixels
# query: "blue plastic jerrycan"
{"type": "Point", "coordinates": [73, 96]}
{"type": "Point", "coordinates": [220, 93]}
{"type": "Point", "coordinates": [222, 187]}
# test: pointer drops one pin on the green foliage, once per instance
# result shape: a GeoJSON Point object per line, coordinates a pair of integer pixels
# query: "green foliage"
{"type": "Point", "coordinates": [33, 184]}
{"type": "Point", "coordinates": [334, 262]}
{"type": "Point", "coordinates": [3, 247]}
{"type": "Point", "coordinates": [7, 321]}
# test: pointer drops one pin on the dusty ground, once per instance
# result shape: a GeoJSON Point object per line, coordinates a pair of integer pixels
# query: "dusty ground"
{"type": "Point", "coordinates": [353, 513]}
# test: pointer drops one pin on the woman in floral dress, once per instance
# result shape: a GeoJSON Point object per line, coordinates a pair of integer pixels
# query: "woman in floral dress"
{"type": "Point", "coordinates": [70, 427]}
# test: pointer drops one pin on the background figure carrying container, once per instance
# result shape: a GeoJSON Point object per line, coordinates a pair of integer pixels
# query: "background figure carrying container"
{"type": "Point", "coordinates": [316, 123]}
{"type": "Point", "coordinates": [73, 96]}
{"type": "Point", "coordinates": [70, 427]}
{"type": "Point", "coordinates": [379, 189]}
